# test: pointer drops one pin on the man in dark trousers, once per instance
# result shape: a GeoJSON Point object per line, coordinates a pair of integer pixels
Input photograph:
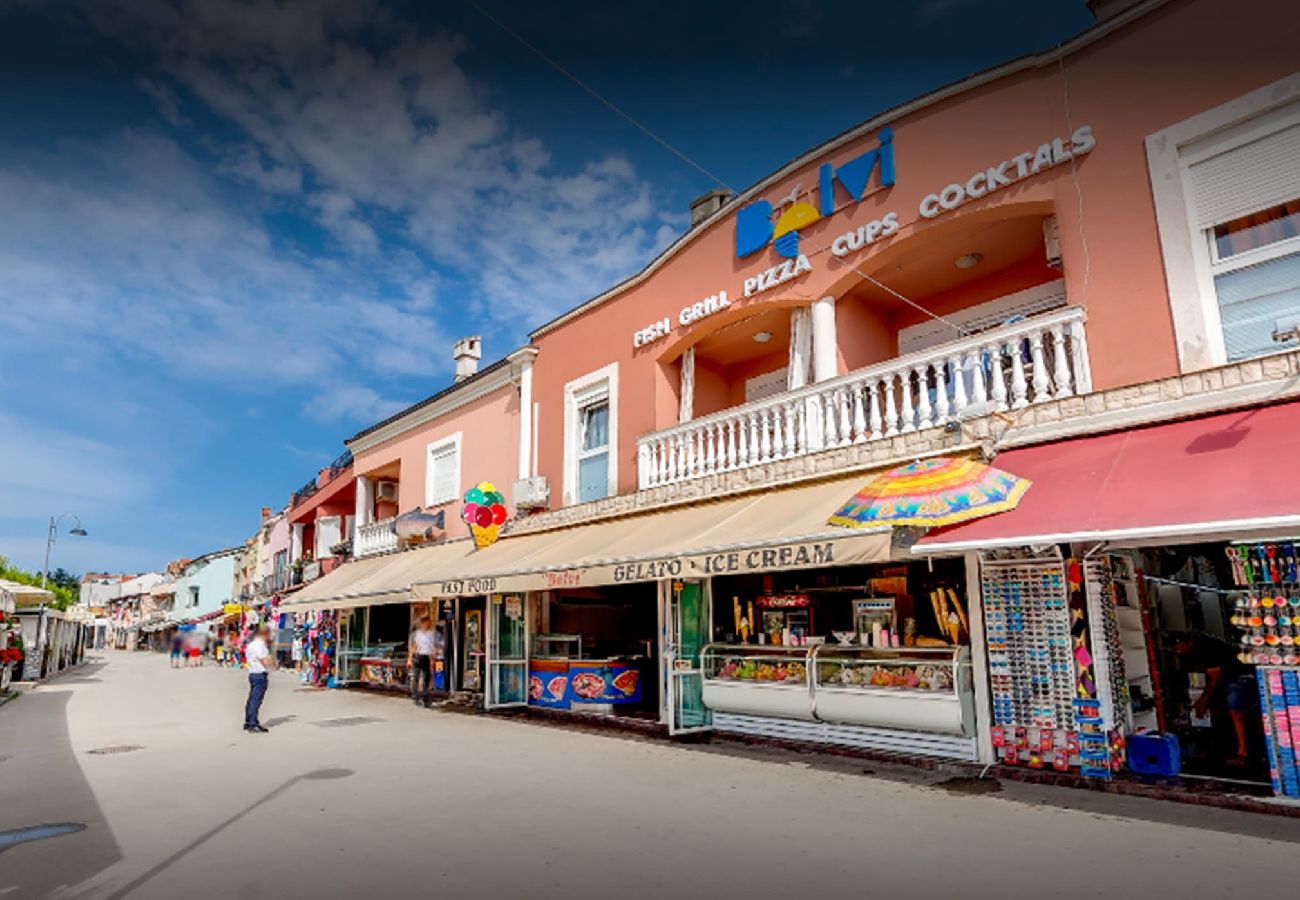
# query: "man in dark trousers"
{"type": "Point", "coordinates": [260, 659]}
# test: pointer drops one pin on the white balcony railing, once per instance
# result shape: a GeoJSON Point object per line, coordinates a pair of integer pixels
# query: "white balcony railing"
{"type": "Point", "coordinates": [1007, 368]}
{"type": "Point", "coordinates": [376, 537]}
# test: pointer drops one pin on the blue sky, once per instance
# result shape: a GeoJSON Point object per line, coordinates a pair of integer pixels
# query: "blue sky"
{"type": "Point", "coordinates": [236, 232]}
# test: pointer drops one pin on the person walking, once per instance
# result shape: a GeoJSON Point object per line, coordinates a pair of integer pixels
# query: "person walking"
{"type": "Point", "coordinates": [424, 643]}
{"type": "Point", "coordinates": [177, 645]}
{"type": "Point", "coordinates": [259, 659]}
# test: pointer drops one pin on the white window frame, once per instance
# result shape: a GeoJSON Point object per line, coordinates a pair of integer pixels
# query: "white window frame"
{"type": "Point", "coordinates": [1186, 248]}
{"type": "Point", "coordinates": [437, 448]}
{"type": "Point", "coordinates": [583, 391]}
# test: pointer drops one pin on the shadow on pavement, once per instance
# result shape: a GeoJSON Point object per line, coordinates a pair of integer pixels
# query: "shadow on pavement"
{"type": "Point", "coordinates": [39, 752]}
{"type": "Point", "coordinates": [143, 878]}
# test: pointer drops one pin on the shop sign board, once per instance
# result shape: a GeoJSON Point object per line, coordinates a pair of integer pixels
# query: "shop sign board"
{"type": "Point", "coordinates": [784, 601]}
{"type": "Point", "coordinates": [858, 548]}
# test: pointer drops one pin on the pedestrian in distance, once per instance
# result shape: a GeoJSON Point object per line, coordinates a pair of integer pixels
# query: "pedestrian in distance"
{"type": "Point", "coordinates": [177, 645]}
{"type": "Point", "coordinates": [424, 643]}
{"type": "Point", "coordinates": [260, 659]}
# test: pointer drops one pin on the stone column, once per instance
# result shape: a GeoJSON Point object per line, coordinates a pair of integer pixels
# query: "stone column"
{"type": "Point", "coordinates": [686, 403]}
{"type": "Point", "coordinates": [824, 343]}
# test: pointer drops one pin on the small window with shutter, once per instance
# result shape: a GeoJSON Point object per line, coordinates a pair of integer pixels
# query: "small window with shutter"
{"type": "Point", "coordinates": [443, 480]}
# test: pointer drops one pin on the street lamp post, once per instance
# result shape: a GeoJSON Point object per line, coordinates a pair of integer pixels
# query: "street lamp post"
{"type": "Point", "coordinates": [50, 538]}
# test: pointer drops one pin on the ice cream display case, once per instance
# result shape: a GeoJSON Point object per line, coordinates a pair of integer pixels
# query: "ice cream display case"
{"type": "Point", "coordinates": [758, 680]}
{"type": "Point", "coordinates": [909, 688]}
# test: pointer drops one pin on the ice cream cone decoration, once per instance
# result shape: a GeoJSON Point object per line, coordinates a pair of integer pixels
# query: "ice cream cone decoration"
{"type": "Point", "coordinates": [484, 512]}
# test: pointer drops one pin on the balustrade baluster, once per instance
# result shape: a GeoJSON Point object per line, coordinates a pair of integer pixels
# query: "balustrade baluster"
{"type": "Point", "coordinates": [731, 444]}
{"type": "Point", "coordinates": [845, 426]}
{"type": "Point", "coordinates": [801, 425]}
{"type": "Point", "coordinates": [979, 393]}
{"type": "Point", "coordinates": [830, 419]}
{"type": "Point", "coordinates": [1061, 367]}
{"type": "Point", "coordinates": [999, 387]}
{"type": "Point", "coordinates": [778, 434]}
{"type": "Point", "coordinates": [859, 415]}
{"type": "Point", "coordinates": [1042, 383]}
{"type": "Point", "coordinates": [786, 411]}
{"type": "Point", "coordinates": [891, 410]}
{"type": "Point", "coordinates": [1079, 354]}
{"type": "Point", "coordinates": [875, 410]}
{"type": "Point", "coordinates": [924, 412]}
{"type": "Point", "coordinates": [941, 407]}
{"type": "Point", "coordinates": [1019, 388]}
{"type": "Point", "coordinates": [742, 442]}
{"type": "Point", "coordinates": [765, 436]}
{"type": "Point", "coordinates": [909, 414]}
{"type": "Point", "coordinates": [958, 385]}
{"type": "Point", "coordinates": [711, 455]}
{"type": "Point", "coordinates": [755, 444]}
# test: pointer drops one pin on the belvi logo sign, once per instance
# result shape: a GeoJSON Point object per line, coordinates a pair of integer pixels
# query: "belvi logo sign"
{"type": "Point", "coordinates": [758, 224]}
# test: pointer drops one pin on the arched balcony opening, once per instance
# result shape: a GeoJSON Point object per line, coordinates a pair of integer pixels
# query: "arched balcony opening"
{"type": "Point", "coordinates": [959, 320]}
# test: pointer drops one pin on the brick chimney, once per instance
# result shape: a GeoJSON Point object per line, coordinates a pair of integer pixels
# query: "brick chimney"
{"type": "Point", "coordinates": [706, 205]}
{"type": "Point", "coordinates": [467, 352]}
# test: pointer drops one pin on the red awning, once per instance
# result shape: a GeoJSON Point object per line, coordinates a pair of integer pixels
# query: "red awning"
{"type": "Point", "coordinates": [1232, 475]}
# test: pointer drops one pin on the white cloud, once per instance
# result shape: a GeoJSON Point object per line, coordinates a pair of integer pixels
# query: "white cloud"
{"type": "Point", "coordinates": [169, 105]}
{"type": "Point", "coordinates": [394, 131]}
{"type": "Point", "coordinates": [351, 401]}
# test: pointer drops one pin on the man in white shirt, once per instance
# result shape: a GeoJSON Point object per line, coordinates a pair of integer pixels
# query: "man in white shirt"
{"type": "Point", "coordinates": [259, 660]}
{"type": "Point", "coordinates": [424, 649]}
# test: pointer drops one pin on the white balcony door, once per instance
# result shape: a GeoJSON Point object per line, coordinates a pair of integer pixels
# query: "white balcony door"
{"type": "Point", "coordinates": [329, 531]}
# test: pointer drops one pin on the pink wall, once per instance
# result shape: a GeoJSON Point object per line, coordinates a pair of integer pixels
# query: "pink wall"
{"type": "Point", "coordinates": [1125, 85]}
{"type": "Point", "coordinates": [489, 451]}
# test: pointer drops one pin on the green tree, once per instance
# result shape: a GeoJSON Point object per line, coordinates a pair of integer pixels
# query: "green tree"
{"type": "Point", "coordinates": [64, 596]}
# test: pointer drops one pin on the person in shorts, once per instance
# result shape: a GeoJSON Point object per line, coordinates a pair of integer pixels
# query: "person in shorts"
{"type": "Point", "coordinates": [177, 645]}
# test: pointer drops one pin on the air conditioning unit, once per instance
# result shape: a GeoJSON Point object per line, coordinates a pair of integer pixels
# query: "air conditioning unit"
{"type": "Point", "coordinates": [532, 493]}
{"type": "Point", "coordinates": [386, 491]}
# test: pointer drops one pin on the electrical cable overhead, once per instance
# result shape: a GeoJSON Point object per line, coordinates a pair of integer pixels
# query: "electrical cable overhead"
{"type": "Point", "coordinates": [609, 104]}
{"type": "Point", "coordinates": [599, 96]}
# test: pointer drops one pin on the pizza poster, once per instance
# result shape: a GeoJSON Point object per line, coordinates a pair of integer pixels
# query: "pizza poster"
{"type": "Point", "coordinates": [601, 682]}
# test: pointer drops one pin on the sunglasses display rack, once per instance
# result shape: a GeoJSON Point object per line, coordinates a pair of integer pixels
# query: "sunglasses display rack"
{"type": "Point", "coordinates": [1267, 612]}
{"type": "Point", "coordinates": [1031, 667]}
{"type": "Point", "coordinates": [1112, 691]}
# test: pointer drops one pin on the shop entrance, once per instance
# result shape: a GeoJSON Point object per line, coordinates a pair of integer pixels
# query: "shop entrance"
{"type": "Point", "coordinates": [595, 651]}
{"type": "Point", "coordinates": [1205, 692]}
{"type": "Point", "coordinates": [507, 651]}
{"type": "Point", "coordinates": [687, 622]}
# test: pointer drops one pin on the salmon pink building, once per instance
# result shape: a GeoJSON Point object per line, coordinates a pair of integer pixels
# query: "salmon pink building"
{"type": "Point", "coordinates": [1082, 266]}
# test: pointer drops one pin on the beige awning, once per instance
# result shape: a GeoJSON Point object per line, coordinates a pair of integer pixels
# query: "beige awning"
{"type": "Point", "coordinates": [14, 594]}
{"type": "Point", "coordinates": [773, 531]}
{"type": "Point", "coordinates": [358, 583]}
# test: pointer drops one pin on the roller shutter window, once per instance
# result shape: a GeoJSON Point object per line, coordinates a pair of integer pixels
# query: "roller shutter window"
{"type": "Point", "coordinates": [1244, 187]}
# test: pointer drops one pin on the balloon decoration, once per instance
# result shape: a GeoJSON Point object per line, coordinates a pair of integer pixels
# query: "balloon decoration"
{"type": "Point", "coordinates": [484, 512]}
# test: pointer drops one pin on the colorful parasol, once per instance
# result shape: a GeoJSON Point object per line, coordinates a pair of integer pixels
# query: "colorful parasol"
{"type": "Point", "coordinates": [932, 492]}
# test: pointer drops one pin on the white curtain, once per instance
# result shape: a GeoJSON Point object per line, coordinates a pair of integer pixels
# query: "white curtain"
{"type": "Point", "coordinates": [799, 371]}
{"type": "Point", "coordinates": [686, 407]}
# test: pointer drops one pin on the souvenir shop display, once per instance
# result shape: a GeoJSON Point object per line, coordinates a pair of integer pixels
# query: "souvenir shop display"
{"type": "Point", "coordinates": [1267, 612]}
{"type": "Point", "coordinates": [1053, 705]}
{"type": "Point", "coordinates": [319, 636]}
{"type": "Point", "coordinates": [1279, 696]}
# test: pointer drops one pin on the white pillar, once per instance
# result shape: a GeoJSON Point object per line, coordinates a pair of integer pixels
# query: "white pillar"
{"type": "Point", "coordinates": [686, 404]}
{"type": "Point", "coordinates": [365, 504]}
{"type": "Point", "coordinates": [800, 347]}
{"type": "Point", "coordinates": [824, 348]}
{"type": "Point", "coordinates": [295, 541]}
{"type": "Point", "coordinates": [525, 417]}
{"type": "Point", "coordinates": [979, 660]}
